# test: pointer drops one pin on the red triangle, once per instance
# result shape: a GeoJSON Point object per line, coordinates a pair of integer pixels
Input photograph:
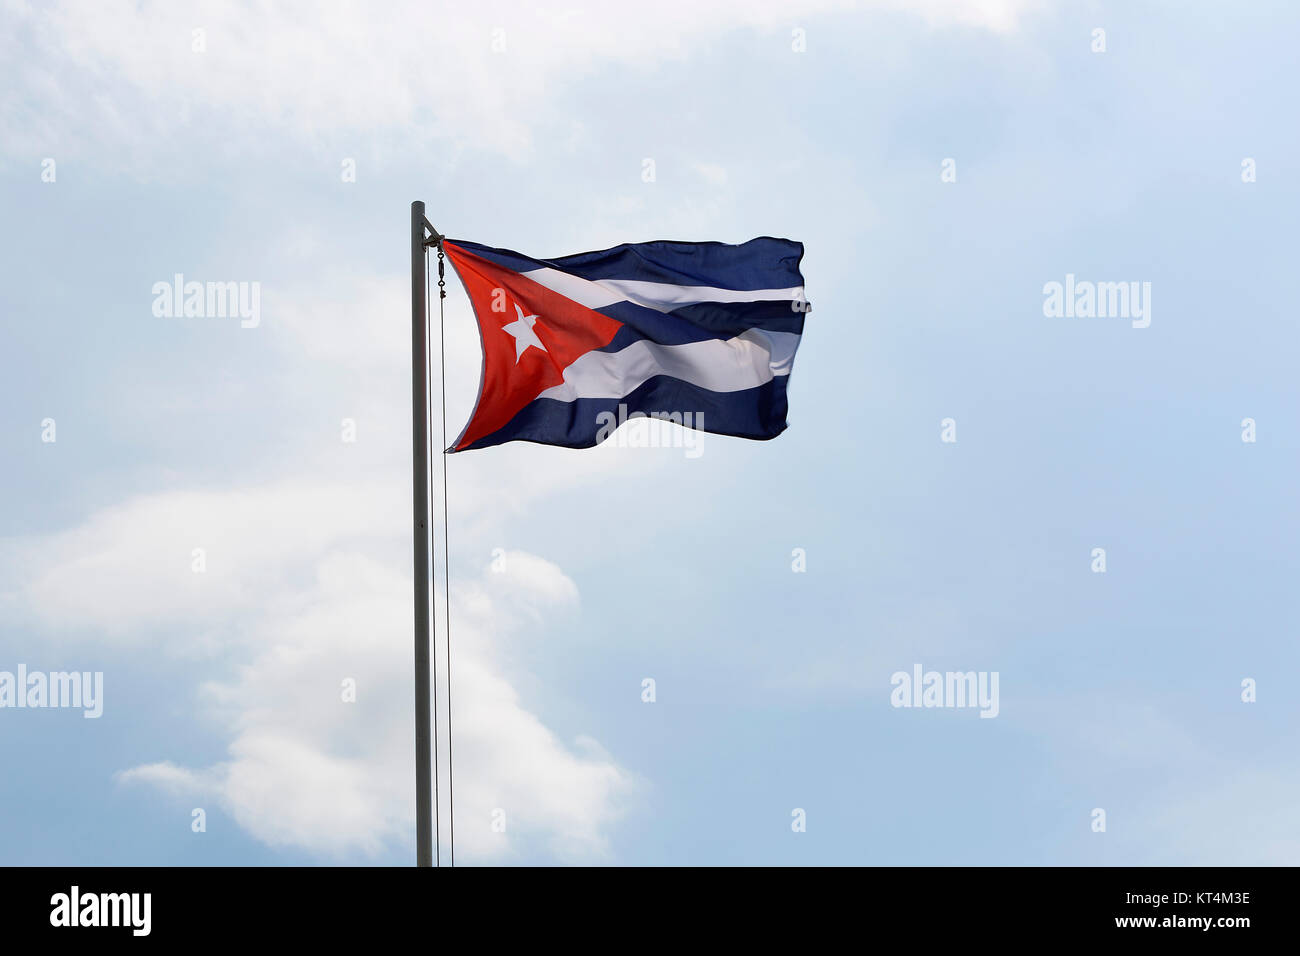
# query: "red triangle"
{"type": "Point", "coordinates": [512, 379]}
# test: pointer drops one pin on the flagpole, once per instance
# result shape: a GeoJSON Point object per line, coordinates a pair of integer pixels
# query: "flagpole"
{"type": "Point", "coordinates": [420, 522]}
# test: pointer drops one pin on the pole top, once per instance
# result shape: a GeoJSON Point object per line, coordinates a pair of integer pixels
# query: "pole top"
{"type": "Point", "coordinates": [433, 237]}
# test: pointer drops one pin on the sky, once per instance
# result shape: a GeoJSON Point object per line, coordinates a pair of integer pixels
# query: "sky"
{"type": "Point", "coordinates": [956, 455]}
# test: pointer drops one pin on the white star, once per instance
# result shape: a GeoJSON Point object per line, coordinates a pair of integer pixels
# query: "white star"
{"type": "Point", "coordinates": [522, 330]}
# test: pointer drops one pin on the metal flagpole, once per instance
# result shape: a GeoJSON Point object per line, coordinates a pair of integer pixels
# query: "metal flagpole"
{"type": "Point", "coordinates": [420, 501]}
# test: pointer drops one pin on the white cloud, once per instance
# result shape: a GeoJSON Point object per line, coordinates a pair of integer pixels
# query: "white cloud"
{"type": "Point", "coordinates": [712, 173]}
{"type": "Point", "coordinates": [1242, 816]}
{"type": "Point", "coordinates": [1000, 16]}
{"type": "Point", "coordinates": [122, 78]}
{"type": "Point", "coordinates": [126, 573]}
{"type": "Point", "coordinates": [1173, 796]}
{"type": "Point", "coordinates": [306, 587]}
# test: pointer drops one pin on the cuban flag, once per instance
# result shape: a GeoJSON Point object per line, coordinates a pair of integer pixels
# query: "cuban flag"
{"type": "Point", "coordinates": [699, 333]}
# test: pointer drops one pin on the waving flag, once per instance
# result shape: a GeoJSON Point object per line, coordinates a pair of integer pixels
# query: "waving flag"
{"type": "Point", "coordinates": [699, 333]}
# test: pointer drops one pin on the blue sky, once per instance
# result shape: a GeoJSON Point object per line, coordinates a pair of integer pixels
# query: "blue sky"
{"type": "Point", "coordinates": [527, 128]}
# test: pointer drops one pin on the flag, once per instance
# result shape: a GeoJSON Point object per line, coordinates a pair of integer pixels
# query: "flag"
{"type": "Point", "coordinates": [699, 333]}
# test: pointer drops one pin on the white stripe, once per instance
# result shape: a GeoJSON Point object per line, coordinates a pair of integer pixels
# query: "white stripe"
{"type": "Point", "coordinates": [660, 296]}
{"type": "Point", "coordinates": [730, 365]}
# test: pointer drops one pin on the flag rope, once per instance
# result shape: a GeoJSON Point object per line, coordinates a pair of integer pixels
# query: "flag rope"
{"type": "Point", "coordinates": [446, 558]}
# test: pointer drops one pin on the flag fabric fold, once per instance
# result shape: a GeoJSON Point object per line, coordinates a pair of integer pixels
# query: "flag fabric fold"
{"type": "Point", "coordinates": [700, 333]}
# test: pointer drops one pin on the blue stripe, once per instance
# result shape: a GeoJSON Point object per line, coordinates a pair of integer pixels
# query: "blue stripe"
{"type": "Point", "coordinates": [695, 323]}
{"type": "Point", "coordinates": [729, 319]}
{"type": "Point", "coordinates": [757, 413]}
{"type": "Point", "coordinates": [763, 263]}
